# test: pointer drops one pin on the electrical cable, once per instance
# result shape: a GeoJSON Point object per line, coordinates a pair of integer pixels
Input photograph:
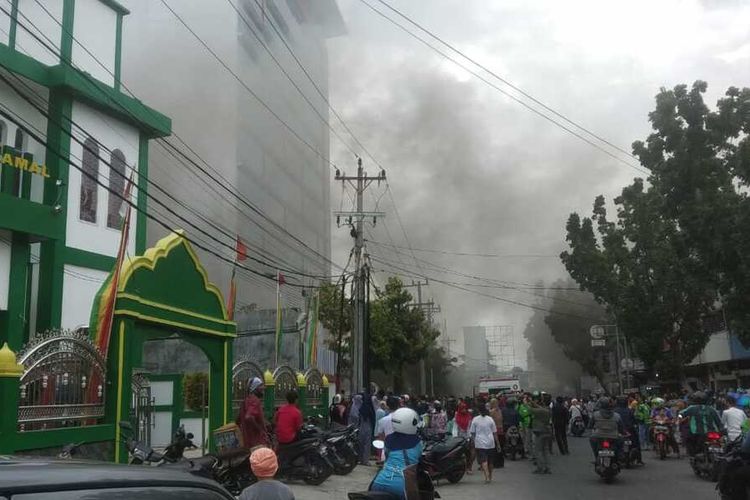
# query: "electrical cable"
{"type": "Point", "coordinates": [467, 254]}
{"type": "Point", "coordinates": [508, 94]}
{"type": "Point", "coordinates": [161, 142]}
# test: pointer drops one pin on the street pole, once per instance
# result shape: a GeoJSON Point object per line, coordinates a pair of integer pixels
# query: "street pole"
{"type": "Point", "coordinates": [340, 340]}
{"type": "Point", "coordinates": [617, 359]}
{"type": "Point", "coordinates": [356, 220]}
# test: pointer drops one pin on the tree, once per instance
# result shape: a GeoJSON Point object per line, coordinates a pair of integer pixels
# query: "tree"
{"type": "Point", "coordinates": [338, 325]}
{"type": "Point", "coordinates": [681, 243]}
{"type": "Point", "coordinates": [700, 165]}
{"type": "Point", "coordinates": [399, 333]}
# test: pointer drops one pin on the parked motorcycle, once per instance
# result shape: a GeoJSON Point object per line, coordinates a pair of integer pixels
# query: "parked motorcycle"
{"type": "Point", "coordinates": [305, 459]}
{"type": "Point", "coordinates": [514, 443]}
{"type": "Point", "coordinates": [342, 446]}
{"type": "Point", "coordinates": [705, 463]}
{"type": "Point", "coordinates": [446, 458]}
{"type": "Point", "coordinates": [229, 468]}
{"type": "Point", "coordinates": [732, 482]}
{"type": "Point", "coordinates": [607, 464]}
{"type": "Point", "coordinates": [141, 453]}
{"type": "Point", "coordinates": [630, 454]}
{"type": "Point", "coordinates": [577, 428]}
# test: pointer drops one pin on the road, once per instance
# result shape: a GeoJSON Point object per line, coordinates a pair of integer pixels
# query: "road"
{"type": "Point", "coordinates": [572, 478]}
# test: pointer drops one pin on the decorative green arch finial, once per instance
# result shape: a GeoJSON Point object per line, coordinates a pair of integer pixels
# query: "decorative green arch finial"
{"type": "Point", "coordinates": [301, 381]}
{"type": "Point", "coordinates": [268, 378]}
{"type": "Point", "coordinates": [9, 366]}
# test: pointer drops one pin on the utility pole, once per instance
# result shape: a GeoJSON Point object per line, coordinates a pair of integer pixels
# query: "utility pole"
{"type": "Point", "coordinates": [429, 308]}
{"type": "Point", "coordinates": [355, 220]}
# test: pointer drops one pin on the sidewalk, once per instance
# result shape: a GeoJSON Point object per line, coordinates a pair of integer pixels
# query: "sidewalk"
{"type": "Point", "coordinates": [335, 487]}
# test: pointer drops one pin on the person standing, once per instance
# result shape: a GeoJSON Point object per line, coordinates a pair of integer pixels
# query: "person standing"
{"type": "Point", "coordinates": [264, 464]}
{"type": "Point", "coordinates": [462, 424]}
{"type": "Point", "coordinates": [250, 418]}
{"type": "Point", "coordinates": [733, 419]}
{"type": "Point", "coordinates": [337, 413]}
{"type": "Point", "coordinates": [497, 415]}
{"type": "Point", "coordinates": [541, 428]}
{"type": "Point", "coordinates": [366, 428]}
{"type": "Point", "coordinates": [438, 421]}
{"type": "Point", "coordinates": [524, 414]}
{"type": "Point", "coordinates": [560, 424]}
{"type": "Point", "coordinates": [484, 438]}
{"type": "Point", "coordinates": [288, 420]}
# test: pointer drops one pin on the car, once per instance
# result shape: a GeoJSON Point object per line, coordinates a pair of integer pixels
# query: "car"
{"type": "Point", "coordinates": [42, 479]}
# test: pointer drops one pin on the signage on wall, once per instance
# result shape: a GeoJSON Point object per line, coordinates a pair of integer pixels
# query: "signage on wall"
{"type": "Point", "coordinates": [11, 157]}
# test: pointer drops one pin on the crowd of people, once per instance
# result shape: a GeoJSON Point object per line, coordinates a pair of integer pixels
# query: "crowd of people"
{"type": "Point", "coordinates": [403, 421]}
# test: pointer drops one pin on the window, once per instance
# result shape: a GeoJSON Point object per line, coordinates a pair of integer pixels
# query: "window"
{"type": "Point", "coordinates": [90, 174]}
{"type": "Point", "coordinates": [116, 188]}
{"type": "Point", "coordinates": [3, 131]}
{"type": "Point", "coordinates": [19, 143]}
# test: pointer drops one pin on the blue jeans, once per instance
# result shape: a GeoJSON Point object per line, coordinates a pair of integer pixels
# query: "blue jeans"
{"type": "Point", "coordinates": [643, 435]}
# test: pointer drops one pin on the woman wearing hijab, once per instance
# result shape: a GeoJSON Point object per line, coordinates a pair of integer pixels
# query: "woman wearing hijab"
{"type": "Point", "coordinates": [403, 448]}
{"type": "Point", "coordinates": [463, 422]}
{"type": "Point", "coordinates": [366, 427]}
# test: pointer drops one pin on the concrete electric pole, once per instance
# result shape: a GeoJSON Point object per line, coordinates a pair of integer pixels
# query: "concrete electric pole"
{"type": "Point", "coordinates": [355, 220]}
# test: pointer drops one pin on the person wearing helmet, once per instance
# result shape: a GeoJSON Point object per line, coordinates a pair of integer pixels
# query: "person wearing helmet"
{"type": "Point", "coordinates": [701, 419]}
{"type": "Point", "coordinates": [629, 424]}
{"type": "Point", "coordinates": [607, 425]}
{"type": "Point", "coordinates": [402, 448]}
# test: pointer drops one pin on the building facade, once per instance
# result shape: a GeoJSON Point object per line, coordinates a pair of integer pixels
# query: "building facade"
{"type": "Point", "coordinates": [252, 112]}
{"type": "Point", "coordinates": [70, 140]}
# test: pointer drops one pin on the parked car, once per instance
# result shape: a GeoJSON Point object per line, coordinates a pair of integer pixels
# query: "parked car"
{"type": "Point", "coordinates": [40, 479]}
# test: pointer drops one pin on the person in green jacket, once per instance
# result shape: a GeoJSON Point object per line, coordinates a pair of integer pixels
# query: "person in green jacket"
{"type": "Point", "coordinates": [524, 415]}
{"type": "Point", "coordinates": [541, 429]}
{"type": "Point", "coordinates": [643, 417]}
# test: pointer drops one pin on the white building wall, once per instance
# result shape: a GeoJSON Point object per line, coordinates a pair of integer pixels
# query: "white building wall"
{"type": "Point", "coordinates": [227, 127]}
{"type": "Point", "coordinates": [79, 288]}
{"type": "Point", "coordinates": [111, 134]}
{"type": "Point", "coordinates": [718, 349]}
{"type": "Point", "coordinates": [44, 29]}
{"type": "Point", "coordinates": [94, 28]}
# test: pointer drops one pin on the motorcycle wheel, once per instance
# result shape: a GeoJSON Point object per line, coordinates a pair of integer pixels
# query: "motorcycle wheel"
{"type": "Point", "coordinates": [320, 470]}
{"type": "Point", "coordinates": [350, 463]}
{"type": "Point", "coordinates": [456, 475]}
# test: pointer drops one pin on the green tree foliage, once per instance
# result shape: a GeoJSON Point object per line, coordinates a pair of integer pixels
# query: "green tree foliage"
{"type": "Point", "coordinates": [679, 241]}
{"type": "Point", "coordinates": [399, 333]}
{"type": "Point", "coordinates": [195, 390]}
{"type": "Point", "coordinates": [330, 316]}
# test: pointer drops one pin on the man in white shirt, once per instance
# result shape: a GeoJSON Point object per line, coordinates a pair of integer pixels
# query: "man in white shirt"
{"type": "Point", "coordinates": [385, 426]}
{"type": "Point", "coordinates": [484, 436]}
{"type": "Point", "coordinates": [732, 418]}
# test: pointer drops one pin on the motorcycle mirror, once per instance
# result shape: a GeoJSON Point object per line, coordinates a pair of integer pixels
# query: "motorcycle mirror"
{"type": "Point", "coordinates": [378, 444]}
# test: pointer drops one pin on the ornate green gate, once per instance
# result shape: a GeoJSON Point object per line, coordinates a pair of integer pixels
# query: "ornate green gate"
{"type": "Point", "coordinates": [165, 293]}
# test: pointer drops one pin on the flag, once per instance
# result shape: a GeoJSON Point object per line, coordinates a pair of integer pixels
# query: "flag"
{"type": "Point", "coordinates": [241, 250]}
{"type": "Point", "coordinates": [312, 332]}
{"type": "Point", "coordinates": [107, 296]}
{"type": "Point", "coordinates": [279, 281]}
{"type": "Point", "coordinates": [232, 298]}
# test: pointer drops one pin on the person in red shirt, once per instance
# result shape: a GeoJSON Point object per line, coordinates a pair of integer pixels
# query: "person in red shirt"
{"type": "Point", "coordinates": [250, 417]}
{"type": "Point", "coordinates": [288, 420]}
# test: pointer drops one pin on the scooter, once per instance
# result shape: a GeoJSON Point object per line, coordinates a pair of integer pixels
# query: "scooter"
{"type": "Point", "coordinates": [341, 446]}
{"type": "Point", "coordinates": [446, 458]}
{"type": "Point", "coordinates": [418, 486]}
{"type": "Point", "coordinates": [662, 430]}
{"type": "Point", "coordinates": [705, 464]}
{"type": "Point", "coordinates": [577, 428]}
{"type": "Point", "coordinates": [229, 468]}
{"type": "Point", "coordinates": [732, 483]}
{"type": "Point", "coordinates": [607, 464]}
{"type": "Point", "coordinates": [514, 443]}
{"type": "Point", "coordinates": [305, 459]}
{"type": "Point", "coordinates": [630, 455]}
{"type": "Point", "coordinates": [140, 453]}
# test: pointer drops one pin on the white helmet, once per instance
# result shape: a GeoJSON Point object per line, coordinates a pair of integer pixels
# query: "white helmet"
{"type": "Point", "coordinates": [405, 421]}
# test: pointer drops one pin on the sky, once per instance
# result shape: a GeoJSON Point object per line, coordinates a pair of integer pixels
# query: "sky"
{"type": "Point", "coordinates": [473, 171]}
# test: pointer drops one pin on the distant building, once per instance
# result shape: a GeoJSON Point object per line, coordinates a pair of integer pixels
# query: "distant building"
{"type": "Point", "coordinates": [476, 351]}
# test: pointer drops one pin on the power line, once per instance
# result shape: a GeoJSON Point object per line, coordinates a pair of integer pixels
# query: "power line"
{"type": "Point", "coordinates": [224, 185]}
{"type": "Point", "coordinates": [506, 82]}
{"type": "Point", "coordinates": [506, 93]}
{"type": "Point", "coordinates": [466, 254]}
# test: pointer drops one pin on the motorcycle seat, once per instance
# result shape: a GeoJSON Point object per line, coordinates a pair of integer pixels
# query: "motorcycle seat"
{"type": "Point", "coordinates": [288, 447]}
{"type": "Point", "coordinates": [205, 462]}
{"type": "Point", "coordinates": [447, 446]}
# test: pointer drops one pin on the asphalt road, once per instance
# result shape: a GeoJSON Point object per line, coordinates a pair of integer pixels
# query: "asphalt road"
{"type": "Point", "coordinates": [572, 477]}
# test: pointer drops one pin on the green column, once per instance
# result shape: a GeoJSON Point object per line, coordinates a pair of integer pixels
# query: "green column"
{"type": "Point", "coordinates": [227, 390]}
{"type": "Point", "coordinates": [51, 266]}
{"type": "Point", "coordinates": [10, 373]}
{"type": "Point", "coordinates": [119, 380]}
{"type": "Point", "coordinates": [269, 394]}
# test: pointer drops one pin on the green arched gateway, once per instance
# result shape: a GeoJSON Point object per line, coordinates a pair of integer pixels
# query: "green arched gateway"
{"type": "Point", "coordinates": [166, 293]}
